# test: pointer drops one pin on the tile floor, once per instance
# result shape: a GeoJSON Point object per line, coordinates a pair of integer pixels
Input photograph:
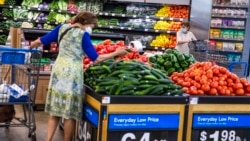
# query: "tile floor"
{"type": "Point", "coordinates": [21, 133]}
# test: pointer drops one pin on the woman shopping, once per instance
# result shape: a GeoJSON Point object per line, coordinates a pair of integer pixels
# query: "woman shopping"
{"type": "Point", "coordinates": [65, 91]}
{"type": "Point", "coordinates": [184, 36]}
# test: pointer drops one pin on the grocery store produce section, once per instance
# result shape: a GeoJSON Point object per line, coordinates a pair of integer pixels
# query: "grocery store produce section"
{"type": "Point", "coordinates": [155, 25]}
{"type": "Point", "coordinates": [151, 87]}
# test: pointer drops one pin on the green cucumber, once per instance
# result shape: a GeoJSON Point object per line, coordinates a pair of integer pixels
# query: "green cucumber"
{"type": "Point", "coordinates": [131, 82]}
{"type": "Point", "coordinates": [118, 90]}
{"type": "Point", "coordinates": [129, 92]}
{"type": "Point", "coordinates": [100, 90]}
{"type": "Point", "coordinates": [150, 77]}
{"type": "Point", "coordinates": [165, 81]}
{"type": "Point", "coordinates": [113, 89]}
{"type": "Point", "coordinates": [149, 82]}
{"type": "Point", "coordinates": [107, 83]}
{"type": "Point", "coordinates": [157, 74]}
{"type": "Point", "coordinates": [127, 88]}
{"type": "Point", "coordinates": [127, 75]}
{"type": "Point", "coordinates": [156, 90]}
{"type": "Point", "coordinates": [145, 86]}
{"type": "Point", "coordinates": [95, 68]}
{"type": "Point", "coordinates": [106, 68]}
{"type": "Point", "coordinates": [143, 92]}
{"type": "Point", "coordinates": [174, 92]}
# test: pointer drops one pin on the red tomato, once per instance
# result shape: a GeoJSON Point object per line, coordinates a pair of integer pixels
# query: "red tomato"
{"type": "Point", "coordinates": [107, 42]}
{"type": "Point", "coordinates": [213, 91]}
{"type": "Point", "coordinates": [186, 84]}
{"type": "Point", "coordinates": [239, 92]}
{"type": "Point", "coordinates": [200, 92]}
{"type": "Point", "coordinates": [205, 88]}
{"type": "Point", "coordinates": [248, 88]}
{"type": "Point", "coordinates": [214, 84]}
{"type": "Point", "coordinates": [238, 86]}
{"type": "Point", "coordinates": [120, 43]}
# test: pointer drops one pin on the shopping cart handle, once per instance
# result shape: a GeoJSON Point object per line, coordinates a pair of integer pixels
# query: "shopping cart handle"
{"type": "Point", "coordinates": [8, 48]}
{"type": "Point", "coordinates": [239, 63]}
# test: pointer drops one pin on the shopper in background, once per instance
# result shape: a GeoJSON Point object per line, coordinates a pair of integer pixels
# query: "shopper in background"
{"type": "Point", "coordinates": [65, 91]}
{"type": "Point", "coordinates": [183, 37]}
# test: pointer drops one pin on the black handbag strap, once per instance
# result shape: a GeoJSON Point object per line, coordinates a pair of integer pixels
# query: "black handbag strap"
{"type": "Point", "coordinates": [62, 35]}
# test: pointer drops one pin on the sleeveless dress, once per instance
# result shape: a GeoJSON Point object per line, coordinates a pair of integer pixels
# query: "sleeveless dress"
{"type": "Point", "coordinates": [65, 90]}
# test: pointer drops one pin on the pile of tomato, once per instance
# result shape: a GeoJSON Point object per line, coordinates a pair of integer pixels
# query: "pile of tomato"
{"type": "Point", "coordinates": [107, 46]}
{"type": "Point", "coordinates": [210, 79]}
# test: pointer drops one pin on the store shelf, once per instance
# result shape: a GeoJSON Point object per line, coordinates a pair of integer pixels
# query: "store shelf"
{"type": "Point", "coordinates": [35, 31]}
{"type": "Point", "coordinates": [227, 27]}
{"type": "Point", "coordinates": [97, 35]}
{"type": "Point", "coordinates": [38, 9]}
{"type": "Point", "coordinates": [232, 17]}
{"type": "Point", "coordinates": [221, 99]}
{"type": "Point", "coordinates": [4, 31]}
{"type": "Point", "coordinates": [227, 40]}
{"type": "Point", "coordinates": [229, 6]}
{"type": "Point", "coordinates": [135, 29]}
{"type": "Point", "coordinates": [28, 20]}
{"type": "Point", "coordinates": [225, 51]}
{"type": "Point", "coordinates": [138, 16]}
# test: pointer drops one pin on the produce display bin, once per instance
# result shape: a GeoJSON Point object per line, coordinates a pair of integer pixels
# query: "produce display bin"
{"type": "Point", "coordinates": [122, 118]}
{"type": "Point", "coordinates": [218, 119]}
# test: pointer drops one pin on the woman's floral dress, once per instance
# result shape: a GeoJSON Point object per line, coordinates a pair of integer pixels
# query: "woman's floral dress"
{"type": "Point", "coordinates": [65, 91]}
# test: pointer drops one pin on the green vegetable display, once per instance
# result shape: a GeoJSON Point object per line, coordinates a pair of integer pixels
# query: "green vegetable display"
{"type": "Point", "coordinates": [3, 39]}
{"type": "Point", "coordinates": [10, 2]}
{"type": "Point", "coordinates": [59, 4]}
{"type": "Point", "coordinates": [20, 13]}
{"type": "Point", "coordinates": [31, 3]}
{"type": "Point", "coordinates": [129, 78]}
{"type": "Point", "coordinates": [172, 61]}
{"type": "Point", "coordinates": [6, 12]}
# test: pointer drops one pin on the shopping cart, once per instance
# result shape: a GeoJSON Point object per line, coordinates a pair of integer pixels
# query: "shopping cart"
{"type": "Point", "coordinates": [204, 51]}
{"type": "Point", "coordinates": [19, 71]}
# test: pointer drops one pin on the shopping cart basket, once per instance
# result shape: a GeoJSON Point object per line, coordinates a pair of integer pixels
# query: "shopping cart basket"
{"type": "Point", "coordinates": [19, 71]}
{"type": "Point", "coordinates": [204, 51]}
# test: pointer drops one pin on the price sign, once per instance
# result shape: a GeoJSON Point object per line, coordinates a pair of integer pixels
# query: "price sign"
{"type": "Point", "coordinates": [224, 135]}
{"type": "Point", "coordinates": [221, 127]}
{"type": "Point", "coordinates": [143, 127]}
{"type": "Point", "coordinates": [143, 136]}
{"type": "Point", "coordinates": [86, 131]}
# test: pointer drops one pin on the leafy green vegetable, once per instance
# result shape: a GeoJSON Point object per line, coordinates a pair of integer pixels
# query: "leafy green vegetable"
{"type": "Point", "coordinates": [31, 3]}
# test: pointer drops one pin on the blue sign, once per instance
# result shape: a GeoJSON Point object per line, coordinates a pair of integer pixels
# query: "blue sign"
{"type": "Point", "coordinates": [91, 114]}
{"type": "Point", "coordinates": [221, 120]}
{"type": "Point", "coordinates": [143, 121]}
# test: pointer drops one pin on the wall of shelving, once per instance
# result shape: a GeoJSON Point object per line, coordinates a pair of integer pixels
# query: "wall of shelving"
{"type": "Point", "coordinates": [150, 27]}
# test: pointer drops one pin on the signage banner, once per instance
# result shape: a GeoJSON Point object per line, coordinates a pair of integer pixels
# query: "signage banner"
{"type": "Point", "coordinates": [221, 121]}
{"type": "Point", "coordinates": [90, 114]}
{"type": "Point", "coordinates": [143, 121]}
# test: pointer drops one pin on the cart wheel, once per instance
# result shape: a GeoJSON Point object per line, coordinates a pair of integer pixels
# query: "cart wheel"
{"type": "Point", "coordinates": [33, 137]}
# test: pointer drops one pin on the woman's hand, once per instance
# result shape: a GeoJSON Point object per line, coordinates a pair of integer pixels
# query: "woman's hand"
{"type": "Point", "coordinates": [121, 51]}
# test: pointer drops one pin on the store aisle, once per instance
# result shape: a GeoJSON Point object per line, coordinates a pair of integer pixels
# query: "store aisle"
{"type": "Point", "coordinates": [21, 133]}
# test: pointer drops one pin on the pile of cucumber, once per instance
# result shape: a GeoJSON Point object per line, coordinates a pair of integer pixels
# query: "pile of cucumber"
{"type": "Point", "coordinates": [129, 78]}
